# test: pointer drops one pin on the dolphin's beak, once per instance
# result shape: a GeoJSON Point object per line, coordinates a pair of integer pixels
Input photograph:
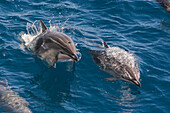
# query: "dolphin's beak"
{"type": "Point", "coordinates": [74, 56]}
{"type": "Point", "coordinates": [136, 83]}
{"type": "Point", "coordinates": [67, 49]}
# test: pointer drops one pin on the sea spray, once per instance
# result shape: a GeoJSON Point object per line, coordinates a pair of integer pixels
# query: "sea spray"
{"type": "Point", "coordinates": [35, 29]}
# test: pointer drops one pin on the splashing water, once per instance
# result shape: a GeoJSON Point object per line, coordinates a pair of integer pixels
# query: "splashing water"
{"type": "Point", "coordinates": [35, 29]}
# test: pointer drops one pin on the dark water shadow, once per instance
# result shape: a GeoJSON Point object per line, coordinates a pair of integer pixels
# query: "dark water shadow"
{"type": "Point", "coordinates": [56, 82]}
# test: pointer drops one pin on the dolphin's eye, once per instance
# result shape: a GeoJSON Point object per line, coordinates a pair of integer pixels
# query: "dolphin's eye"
{"type": "Point", "coordinates": [69, 42]}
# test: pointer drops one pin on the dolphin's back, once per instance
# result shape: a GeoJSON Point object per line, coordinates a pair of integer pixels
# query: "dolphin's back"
{"type": "Point", "coordinates": [10, 101]}
{"type": "Point", "coordinates": [116, 62]}
{"type": "Point", "coordinates": [106, 63]}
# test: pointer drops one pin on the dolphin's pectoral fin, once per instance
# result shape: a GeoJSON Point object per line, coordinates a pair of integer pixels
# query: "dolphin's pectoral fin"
{"type": "Point", "coordinates": [111, 79]}
{"type": "Point", "coordinates": [54, 61]}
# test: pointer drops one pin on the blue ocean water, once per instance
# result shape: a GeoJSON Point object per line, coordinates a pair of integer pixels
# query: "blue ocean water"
{"type": "Point", "coordinates": [139, 26]}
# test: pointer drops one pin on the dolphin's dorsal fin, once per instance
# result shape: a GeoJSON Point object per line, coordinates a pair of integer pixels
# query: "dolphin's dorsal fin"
{"type": "Point", "coordinates": [105, 45]}
{"type": "Point", "coordinates": [44, 28]}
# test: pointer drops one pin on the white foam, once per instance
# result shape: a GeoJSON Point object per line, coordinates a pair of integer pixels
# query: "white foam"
{"type": "Point", "coordinates": [34, 29]}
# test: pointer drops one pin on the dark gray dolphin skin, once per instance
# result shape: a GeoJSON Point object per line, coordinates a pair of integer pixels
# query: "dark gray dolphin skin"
{"type": "Point", "coordinates": [165, 4]}
{"type": "Point", "coordinates": [118, 63]}
{"type": "Point", "coordinates": [10, 101]}
{"type": "Point", "coordinates": [53, 46]}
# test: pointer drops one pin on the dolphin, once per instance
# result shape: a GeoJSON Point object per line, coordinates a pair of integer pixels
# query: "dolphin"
{"type": "Point", "coordinates": [10, 101]}
{"type": "Point", "coordinates": [165, 4]}
{"type": "Point", "coordinates": [53, 46]}
{"type": "Point", "coordinates": [117, 62]}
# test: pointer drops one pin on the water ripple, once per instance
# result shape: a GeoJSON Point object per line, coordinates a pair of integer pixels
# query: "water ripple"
{"type": "Point", "coordinates": [138, 26]}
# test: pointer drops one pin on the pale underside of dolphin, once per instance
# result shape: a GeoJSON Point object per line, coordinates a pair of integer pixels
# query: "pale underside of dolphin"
{"type": "Point", "coordinates": [118, 63]}
{"type": "Point", "coordinates": [53, 46]}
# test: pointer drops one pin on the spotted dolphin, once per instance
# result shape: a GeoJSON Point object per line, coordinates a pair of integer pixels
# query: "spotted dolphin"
{"type": "Point", "coordinates": [53, 46]}
{"type": "Point", "coordinates": [165, 4]}
{"type": "Point", "coordinates": [10, 101]}
{"type": "Point", "coordinates": [117, 62]}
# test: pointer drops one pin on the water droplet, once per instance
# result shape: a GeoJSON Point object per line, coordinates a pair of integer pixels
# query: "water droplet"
{"type": "Point", "coordinates": [4, 54]}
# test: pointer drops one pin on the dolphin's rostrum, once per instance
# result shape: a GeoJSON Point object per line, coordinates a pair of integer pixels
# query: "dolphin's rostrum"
{"type": "Point", "coordinates": [117, 62]}
{"type": "Point", "coordinates": [53, 46]}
